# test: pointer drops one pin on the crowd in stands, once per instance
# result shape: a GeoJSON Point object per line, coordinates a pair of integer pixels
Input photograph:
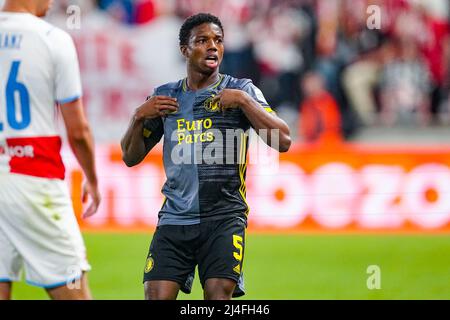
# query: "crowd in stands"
{"type": "Point", "coordinates": [340, 65]}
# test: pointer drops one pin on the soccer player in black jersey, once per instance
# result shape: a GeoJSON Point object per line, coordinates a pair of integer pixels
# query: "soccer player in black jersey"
{"type": "Point", "coordinates": [204, 119]}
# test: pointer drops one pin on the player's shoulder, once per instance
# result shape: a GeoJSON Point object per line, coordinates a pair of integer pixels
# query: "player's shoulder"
{"type": "Point", "coordinates": [170, 88]}
{"type": "Point", "coordinates": [24, 22]}
{"type": "Point", "coordinates": [48, 32]}
{"type": "Point", "coordinates": [45, 28]}
{"type": "Point", "coordinates": [40, 25]}
{"type": "Point", "coordinates": [235, 83]}
{"type": "Point", "coordinates": [247, 86]}
{"type": "Point", "coordinates": [58, 36]}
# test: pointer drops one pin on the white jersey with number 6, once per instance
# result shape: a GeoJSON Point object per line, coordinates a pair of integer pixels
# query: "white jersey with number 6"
{"type": "Point", "coordinates": [38, 69]}
{"type": "Point", "coordinates": [38, 229]}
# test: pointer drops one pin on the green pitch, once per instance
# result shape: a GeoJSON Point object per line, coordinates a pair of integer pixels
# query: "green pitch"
{"type": "Point", "coordinates": [288, 267]}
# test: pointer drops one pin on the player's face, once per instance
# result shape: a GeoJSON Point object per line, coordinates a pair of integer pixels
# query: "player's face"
{"type": "Point", "coordinates": [43, 7]}
{"type": "Point", "coordinates": [205, 49]}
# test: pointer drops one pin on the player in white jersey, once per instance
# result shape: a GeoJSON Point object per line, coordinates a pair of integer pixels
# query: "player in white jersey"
{"type": "Point", "coordinates": [39, 76]}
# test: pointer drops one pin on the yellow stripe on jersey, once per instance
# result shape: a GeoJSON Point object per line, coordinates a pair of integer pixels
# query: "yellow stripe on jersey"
{"type": "Point", "coordinates": [269, 109]}
{"type": "Point", "coordinates": [243, 160]}
{"type": "Point", "coordinates": [146, 133]}
{"type": "Point", "coordinates": [213, 87]}
{"type": "Point", "coordinates": [218, 82]}
{"type": "Point", "coordinates": [164, 202]}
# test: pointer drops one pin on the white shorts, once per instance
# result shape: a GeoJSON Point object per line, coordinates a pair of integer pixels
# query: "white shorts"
{"type": "Point", "coordinates": [39, 232]}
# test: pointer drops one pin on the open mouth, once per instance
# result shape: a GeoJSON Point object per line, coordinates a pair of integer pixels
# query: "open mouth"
{"type": "Point", "coordinates": [212, 61]}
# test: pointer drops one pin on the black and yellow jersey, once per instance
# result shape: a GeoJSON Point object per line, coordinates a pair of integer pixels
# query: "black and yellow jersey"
{"type": "Point", "coordinates": [204, 153]}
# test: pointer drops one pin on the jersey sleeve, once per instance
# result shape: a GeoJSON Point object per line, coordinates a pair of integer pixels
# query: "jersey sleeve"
{"type": "Point", "coordinates": [67, 71]}
{"type": "Point", "coordinates": [257, 94]}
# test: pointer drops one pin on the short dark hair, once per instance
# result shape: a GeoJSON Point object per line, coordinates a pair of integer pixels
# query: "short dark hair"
{"type": "Point", "coordinates": [196, 20]}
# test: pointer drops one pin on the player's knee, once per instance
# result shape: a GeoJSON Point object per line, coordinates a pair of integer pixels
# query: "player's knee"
{"type": "Point", "coordinates": [219, 289]}
{"type": "Point", "coordinates": [155, 290]}
{"type": "Point", "coordinates": [64, 293]}
{"type": "Point", "coordinates": [155, 294]}
{"type": "Point", "coordinates": [5, 291]}
{"type": "Point", "coordinates": [75, 290]}
{"type": "Point", "coordinates": [151, 293]}
{"type": "Point", "coordinates": [5, 296]}
{"type": "Point", "coordinates": [218, 293]}
{"type": "Point", "coordinates": [217, 296]}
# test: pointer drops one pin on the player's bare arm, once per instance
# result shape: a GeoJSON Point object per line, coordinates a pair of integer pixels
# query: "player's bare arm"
{"type": "Point", "coordinates": [81, 141]}
{"type": "Point", "coordinates": [133, 145]}
{"type": "Point", "coordinates": [258, 117]}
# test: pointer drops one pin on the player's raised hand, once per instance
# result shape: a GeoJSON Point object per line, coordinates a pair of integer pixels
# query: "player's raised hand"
{"type": "Point", "coordinates": [156, 106]}
{"type": "Point", "coordinates": [92, 191]}
{"type": "Point", "coordinates": [228, 99]}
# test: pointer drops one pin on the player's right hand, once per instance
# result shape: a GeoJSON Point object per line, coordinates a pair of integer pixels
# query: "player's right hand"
{"type": "Point", "coordinates": [91, 190]}
{"type": "Point", "coordinates": [156, 106]}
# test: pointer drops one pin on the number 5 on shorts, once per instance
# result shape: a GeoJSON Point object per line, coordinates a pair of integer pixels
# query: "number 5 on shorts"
{"type": "Point", "coordinates": [237, 243]}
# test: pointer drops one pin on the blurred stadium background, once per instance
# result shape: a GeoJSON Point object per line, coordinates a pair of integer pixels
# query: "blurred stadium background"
{"type": "Point", "coordinates": [367, 181]}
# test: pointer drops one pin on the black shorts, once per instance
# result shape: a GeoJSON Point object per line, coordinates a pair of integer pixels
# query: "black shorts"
{"type": "Point", "coordinates": [217, 247]}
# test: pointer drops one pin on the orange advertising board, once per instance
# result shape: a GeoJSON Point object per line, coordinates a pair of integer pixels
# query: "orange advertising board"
{"type": "Point", "coordinates": [312, 188]}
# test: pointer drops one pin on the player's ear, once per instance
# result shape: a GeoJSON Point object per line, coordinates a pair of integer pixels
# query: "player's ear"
{"type": "Point", "coordinates": [184, 50]}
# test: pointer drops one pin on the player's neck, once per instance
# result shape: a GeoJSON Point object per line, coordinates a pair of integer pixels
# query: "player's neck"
{"type": "Point", "coordinates": [197, 80]}
{"type": "Point", "coordinates": [20, 7]}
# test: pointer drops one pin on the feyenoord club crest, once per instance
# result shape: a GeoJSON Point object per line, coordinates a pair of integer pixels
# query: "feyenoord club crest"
{"type": "Point", "coordinates": [210, 106]}
{"type": "Point", "coordinates": [149, 264]}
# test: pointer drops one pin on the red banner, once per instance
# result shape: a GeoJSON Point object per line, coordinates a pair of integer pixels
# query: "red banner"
{"type": "Point", "coordinates": [344, 188]}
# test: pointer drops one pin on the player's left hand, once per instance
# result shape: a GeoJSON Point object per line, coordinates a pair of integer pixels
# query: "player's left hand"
{"type": "Point", "coordinates": [229, 99]}
{"type": "Point", "coordinates": [93, 192]}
